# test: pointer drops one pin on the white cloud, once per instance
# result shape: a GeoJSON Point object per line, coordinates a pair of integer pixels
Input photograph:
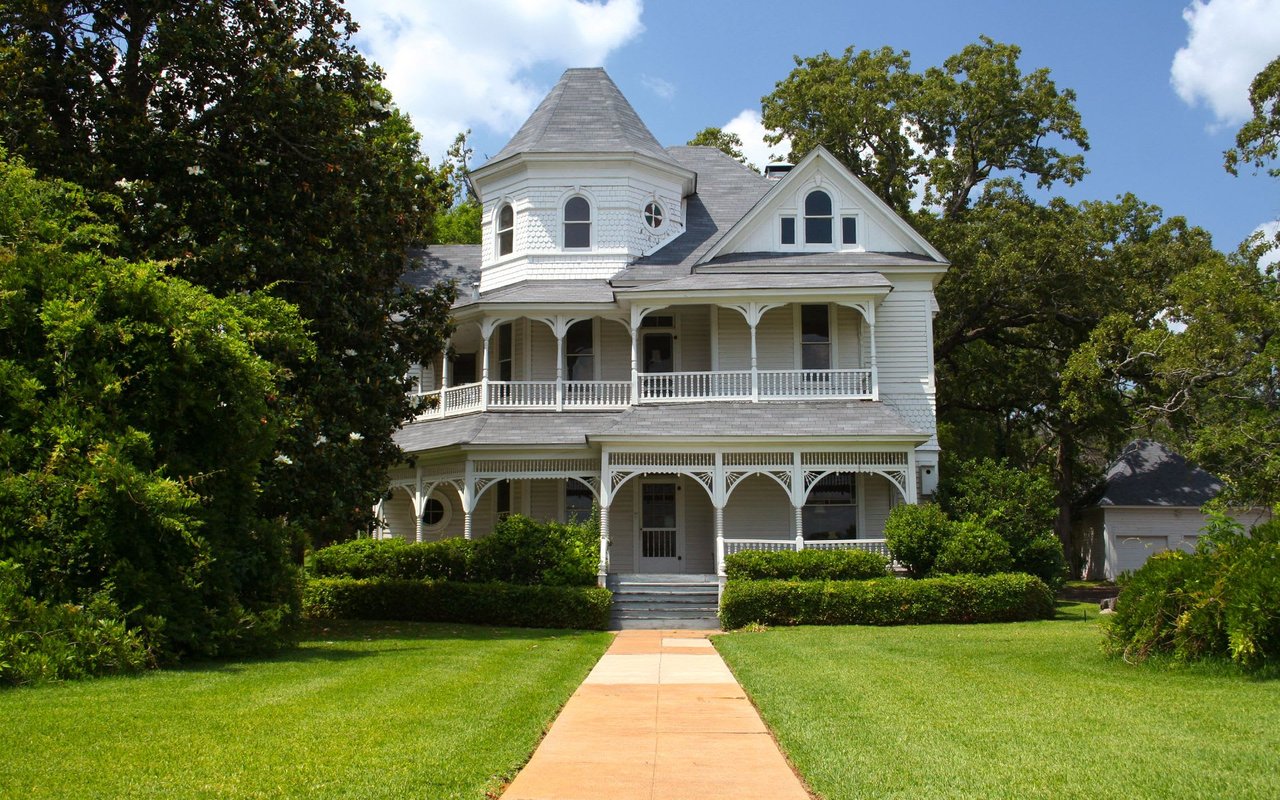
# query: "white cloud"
{"type": "Point", "coordinates": [751, 131]}
{"type": "Point", "coordinates": [1270, 230]}
{"type": "Point", "coordinates": [1228, 43]}
{"type": "Point", "coordinates": [662, 88]}
{"type": "Point", "coordinates": [456, 65]}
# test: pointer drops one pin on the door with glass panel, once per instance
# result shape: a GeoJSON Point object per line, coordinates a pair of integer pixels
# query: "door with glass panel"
{"type": "Point", "coordinates": [661, 542]}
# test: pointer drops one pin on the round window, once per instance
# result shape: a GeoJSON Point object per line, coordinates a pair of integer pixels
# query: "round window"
{"type": "Point", "coordinates": [653, 215]}
{"type": "Point", "coordinates": [434, 512]}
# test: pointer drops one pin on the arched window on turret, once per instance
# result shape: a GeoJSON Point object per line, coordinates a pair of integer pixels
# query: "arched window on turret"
{"type": "Point", "coordinates": [577, 223]}
{"type": "Point", "coordinates": [506, 229]}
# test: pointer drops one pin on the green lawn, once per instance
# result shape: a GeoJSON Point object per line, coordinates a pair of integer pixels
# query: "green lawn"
{"type": "Point", "coordinates": [361, 710]}
{"type": "Point", "coordinates": [1004, 711]}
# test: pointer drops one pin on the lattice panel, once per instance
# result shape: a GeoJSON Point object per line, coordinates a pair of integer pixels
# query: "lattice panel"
{"type": "Point", "coordinates": [557, 465]}
{"type": "Point", "coordinates": [662, 459]}
{"type": "Point", "coordinates": [756, 459]}
{"type": "Point", "coordinates": [893, 459]}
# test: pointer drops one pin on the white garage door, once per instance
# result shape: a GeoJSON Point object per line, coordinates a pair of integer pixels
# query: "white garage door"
{"type": "Point", "coordinates": [1133, 551]}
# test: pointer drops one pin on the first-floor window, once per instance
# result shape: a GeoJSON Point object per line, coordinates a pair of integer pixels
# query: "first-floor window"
{"type": "Point", "coordinates": [578, 501]}
{"type": "Point", "coordinates": [832, 509]}
{"type": "Point", "coordinates": [502, 500]}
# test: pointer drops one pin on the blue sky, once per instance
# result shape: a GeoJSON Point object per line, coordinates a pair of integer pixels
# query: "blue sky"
{"type": "Point", "coordinates": [1154, 130]}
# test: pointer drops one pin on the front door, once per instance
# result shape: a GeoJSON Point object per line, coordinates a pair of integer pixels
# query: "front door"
{"type": "Point", "coordinates": [660, 540]}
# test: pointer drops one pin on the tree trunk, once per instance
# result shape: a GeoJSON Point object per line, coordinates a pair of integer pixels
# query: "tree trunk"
{"type": "Point", "coordinates": [1063, 477]}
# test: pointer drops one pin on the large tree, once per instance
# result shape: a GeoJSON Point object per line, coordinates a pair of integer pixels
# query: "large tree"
{"type": "Point", "coordinates": [728, 143]}
{"type": "Point", "coordinates": [252, 147]}
{"type": "Point", "coordinates": [136, 411]}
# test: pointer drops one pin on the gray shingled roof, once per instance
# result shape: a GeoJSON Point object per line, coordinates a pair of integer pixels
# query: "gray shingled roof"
{"type": "Point", "coordinates": [766, 280]}
{"type": "Point", "coordinates": [727, 190]}
{"type": "Point", "coordinates": [546, 292]}
{"type": "Point", "coordinates": [1149, 474]}
{"type": "Point", "coordinates": [765, 260]}
{"type": "Point", "coordinates": [675, 421]}
{"type": "Point", "coordinates": [584, 113]}
{"type": "Point", "coordinates": [428, 266]}
{"type": "Point", "coordinates": [764, 420]}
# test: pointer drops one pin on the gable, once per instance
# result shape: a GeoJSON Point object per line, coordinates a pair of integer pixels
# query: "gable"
{"type": "Point", "coordinates": [819, 203]}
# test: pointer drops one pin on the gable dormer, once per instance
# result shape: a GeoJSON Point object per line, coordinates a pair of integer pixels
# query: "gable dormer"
{"type": "Point", "coordinates": [820, 207]}
{"type": "Point", "coordinates": [581, 190]}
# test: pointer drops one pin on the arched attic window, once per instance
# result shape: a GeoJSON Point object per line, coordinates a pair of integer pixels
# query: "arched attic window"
{"type": "Point", "coordinates": [817, 217]}
{"type": "Point", "coordinates": [577, 223]}
{"type": "Point", "coordinates": [506, 229]}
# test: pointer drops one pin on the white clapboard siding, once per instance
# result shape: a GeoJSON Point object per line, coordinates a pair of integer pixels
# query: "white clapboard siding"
{"type": "Point", "coordinates": [877, 500]}
{"type": "Point", "coordinates": [848, 339]}
{"type": "Point", "coordinates": [902, 343]}
{"type": "Point", "coordinates": [694, 330]}
{"type": "Point", "coordinates": [622, 524]}
{"type": "Point", "coordinates": [759, 509]}
{"type": "Point", "coordinates": [734, 341]}
{"type": "Point", "coordinates": [614, 352]}
{"type": "Point", "coordinates": [699, 529]}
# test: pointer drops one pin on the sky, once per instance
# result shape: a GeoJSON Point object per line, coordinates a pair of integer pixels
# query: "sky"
{"type": "Point", "coordinates": [1162, 86]}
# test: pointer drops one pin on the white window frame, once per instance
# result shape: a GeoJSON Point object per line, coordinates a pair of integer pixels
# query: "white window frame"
{"type": "Point", "coordinates": [445, 518]}
{"type": "Point", "coordinates": [592, 219]}
{"type": "Point", "coordinates": [498, 230]}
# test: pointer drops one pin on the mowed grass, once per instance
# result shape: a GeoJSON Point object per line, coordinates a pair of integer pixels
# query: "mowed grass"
{"type": "Point", "coordinates": [1020, 710]}
{"type": "Point", "coordinates": [360, 710]}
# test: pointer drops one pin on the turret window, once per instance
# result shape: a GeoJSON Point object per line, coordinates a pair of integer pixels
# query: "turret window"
{"type": "Point", "coordinates": [506, 229]}
{"type": "Point", "coordinates": [577, 223]}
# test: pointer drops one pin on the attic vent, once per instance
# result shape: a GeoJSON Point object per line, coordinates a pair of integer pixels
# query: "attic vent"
{"type": "Point", "coordinates": [775, 171]}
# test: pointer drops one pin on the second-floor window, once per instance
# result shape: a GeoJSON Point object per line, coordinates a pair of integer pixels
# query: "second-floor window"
{"type": "Point", "coordinates": [815, 337]}
{"type": "Point", "coordinates": [506, 229]}
{"type": "Point", "coordinates": [505, 351]}
{"type": "Point", "coordinates": [577, 223]}
{"type": "Point", "coordinates": [579, 353]}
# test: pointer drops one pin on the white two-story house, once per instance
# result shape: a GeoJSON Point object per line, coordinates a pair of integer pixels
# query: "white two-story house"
{"type": "Point", "coordinates": [716, 359]}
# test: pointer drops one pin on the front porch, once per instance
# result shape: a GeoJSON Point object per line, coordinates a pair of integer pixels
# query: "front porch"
{"type": "Point", "coordinates": [665, 512]}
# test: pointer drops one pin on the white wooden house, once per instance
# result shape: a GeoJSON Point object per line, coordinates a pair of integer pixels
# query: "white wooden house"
{"type": "Point", "coordinates": [716, 359]}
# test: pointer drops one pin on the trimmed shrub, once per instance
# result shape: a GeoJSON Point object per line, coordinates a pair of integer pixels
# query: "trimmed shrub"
{"type": "Point", "coordinates": [363, 558]}
{"type": "Point", "coordinates": [915, 535]}
{"type": "Point", "coordinates": [1005, 597]}
{"type": "Point", "coordinates": [973, 550]}
{"type": "Point", "coordinates": [42, 641]}
{"type": "Point", "coordinates": [1221, 601]}
{"type": "Point", "coordinates": [1043, 557]}
{"type": "Point", "coordinates": [448, 601]}
{"type": "Point", "coordinates": [806, 565]}
{"type": "Point", "coordinates": [522, 550]}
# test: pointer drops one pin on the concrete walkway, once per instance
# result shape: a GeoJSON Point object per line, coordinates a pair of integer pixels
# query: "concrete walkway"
{"type": "Point", "coordinates": [659, 718]}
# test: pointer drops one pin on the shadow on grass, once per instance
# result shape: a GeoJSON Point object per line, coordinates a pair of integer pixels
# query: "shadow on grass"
{"type": "Point", "coordinates": [1076, 611]}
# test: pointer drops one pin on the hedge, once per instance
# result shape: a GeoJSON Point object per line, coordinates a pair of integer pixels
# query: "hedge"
{"type": "Point", "coordinates": [1006, 597]}
{"type": "Point", "coordinates": [806, 565]}
{"type": "Point", "coordinates": [450, 601]}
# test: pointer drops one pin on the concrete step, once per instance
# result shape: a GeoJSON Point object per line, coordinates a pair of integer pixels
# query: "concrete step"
{"type": "Point", "coordinates": [659, 611]}
{"type": "Point", "coordinates": [692, 624]}
{"type": "Point", "coordinates": [622, 578]}
{"type": "Point", "coordinates": [662, 595]}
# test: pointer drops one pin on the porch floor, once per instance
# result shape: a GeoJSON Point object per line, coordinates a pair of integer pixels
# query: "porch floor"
{"type": "Point", "coordinates": [659, 717]}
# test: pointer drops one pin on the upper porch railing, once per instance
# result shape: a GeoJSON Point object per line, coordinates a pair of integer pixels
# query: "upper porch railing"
{"type": "Point", "coordinates": [664, 387]}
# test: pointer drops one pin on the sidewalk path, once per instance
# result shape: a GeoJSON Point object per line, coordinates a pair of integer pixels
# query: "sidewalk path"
{"type": "Point", "coordinates": [659, 718]}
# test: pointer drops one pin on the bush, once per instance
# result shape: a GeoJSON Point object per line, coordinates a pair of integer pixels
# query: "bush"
{"type": "Point", "coordinates": [887, 601]}
{"type": "Point", "coordinates": [805, 565]}
{"type": "Point", "coordinates": [915, 535]}
{"type": "Point", "coordinates": [973, 550]}
{"type": "Point", "coordinates": [448, 601]}
{"type": "Point", "coordinates": [42, 641]}
{"type": "Point", "coordinates": [1221, 601]}
{"type": "Point", "coordinates": [1043, 557]}
{"type": "Point", "coordinates": [522, 550]}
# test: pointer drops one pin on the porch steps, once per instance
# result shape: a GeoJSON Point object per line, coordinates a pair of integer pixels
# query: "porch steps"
{"type": "Point", "coordinates": [678, 602]}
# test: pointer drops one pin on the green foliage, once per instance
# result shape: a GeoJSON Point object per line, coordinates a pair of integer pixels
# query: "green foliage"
{"type": "Point", "coordinates": [43, 641]}
{"type": "Point", "coordinates": [728, 143]}
{"type": "Point", "coordinates": [522, 550]}
{"type": "Point", "coordinates": [886, 601]}
{"type": "Point", "coordinates": [975, 550]}
{"type": "Point", "coordinates": [1258, 141]}
{"type": "Point", "coordinates": [1017, 504]}
{"type": "Point", "coordinates": [461, 224]}
{"type": "Point", "coordinates": [137, 412]}
{"type": "Point", "coordinates": [915, 535]}
{"type": "Point", "coordinates": [806, 565]}
{"type": "Point", "coordinates": [253, 148]}
{"type": "Point", "coordinates": [582, 607]}
{"type": "Point", "coordinates": [1221, 601]}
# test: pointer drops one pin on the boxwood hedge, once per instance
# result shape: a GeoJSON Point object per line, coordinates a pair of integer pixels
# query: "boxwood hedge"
{"type": "Point", "coordinates": [806, 565]}
{"type": "Point", "coordinates": [1006, 597]}
{"type": "Point", "coordinates": [511, 604]}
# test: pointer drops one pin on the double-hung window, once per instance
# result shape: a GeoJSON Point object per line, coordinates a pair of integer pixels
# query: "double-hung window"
{"type": "Point", "coordinates": [577, 223]}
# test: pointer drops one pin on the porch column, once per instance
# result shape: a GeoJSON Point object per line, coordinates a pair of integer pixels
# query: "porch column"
{"type": "Point", "coordinates": [637, 315]}
{"type": "Point", "coordinates": [486, 331]}
{"type": "Point", "coordinates": [875, 375]}
{"type": "Point", "coordinates": [446, 375]}
{"type": "Point", "coordinates": [719, 523]}
{"type": "Point", "coordinates": [799, 527]}
{"type": "Point", "coordinates": [753, 319]}
{"type": "Point", "coordinates": [379, 517]}
{"type": "Point", "coordinates": [602, 574]}
{"type": "Point", "coordinates": [468, 498]}
{"type": "Point", "coordinates": [559, 329]}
